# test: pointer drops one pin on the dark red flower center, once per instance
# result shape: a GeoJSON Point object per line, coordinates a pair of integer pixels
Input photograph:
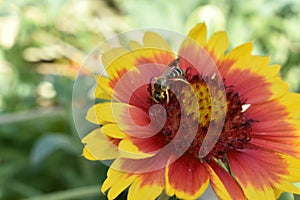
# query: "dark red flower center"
{"type": "Point", "coordinates": [217, 105]}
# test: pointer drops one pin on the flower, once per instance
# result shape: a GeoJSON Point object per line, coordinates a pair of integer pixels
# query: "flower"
{"type": "Point", "coordinates": [224, 119]}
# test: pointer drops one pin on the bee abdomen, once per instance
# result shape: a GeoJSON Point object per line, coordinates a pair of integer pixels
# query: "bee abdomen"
{"type": "Point", "coordinates": [176, 72]}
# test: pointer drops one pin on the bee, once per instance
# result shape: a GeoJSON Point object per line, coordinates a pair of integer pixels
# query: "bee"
{"type": "Point", "coordinates": [159, 86]}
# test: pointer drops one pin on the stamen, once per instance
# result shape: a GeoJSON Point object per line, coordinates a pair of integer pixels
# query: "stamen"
{"type": "Point", "coordinates": [237, 127]}
{"type": "Point", "coordinates": [245, 107]}
{"type": "Point", "coordinates": [213, 76]}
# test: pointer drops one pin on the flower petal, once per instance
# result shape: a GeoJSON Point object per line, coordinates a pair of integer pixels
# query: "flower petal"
{"type": "Point", "coordinates": [253, 63]}
{"type": "Point", "coordinates": [123, 114]}
{"type": "Point", "coordinates": [263, 113]}
{"type": "Point", "coordinates": [118, 61]}
{"type": "Point", "coordinates": [291, 101]}
{"type": "Point", "coordinates": [87, 154]}
{"type": "Point", "coordinates": [196, 59]}
{"type": "Point", "coordinates": [293, 167]}
{"type": "Point", "coordinates": [240, 52]}
{"type": "Point", "coordinates": [128, 150]}
{"type": "Point", "coordinates": [154, 40]}
{"type": "Point", "coordinates": [117, 182]}
{"type": "Point", "coordinates": [223, 183]}
{"type": "Point", "coordinates": [277, 128]}
{"type": "Point", "coordinates": [252, 166]}
{"type": "Point", "coordinates": [147, 185]}
{"type": "Point", "coordinates": [186, 178]}
{"type": "Point", "coordinates": [113, 130]}
{"type": "Point", "coordinates": [149, 144]}
{"type": "Point", "coordinates": [198, 33]}
{"type": "Point", "coordinates": [130, 75]}
{"type": "Point", "coordinates": [140, 166]}
{"type": "Point", "coordinates": [103, 89]}
{"type": "Point", "coordinates": [155, 49]}
{"type": "Point", "coordinates": [109, 56]}
{"type": "Point", "coordinates": [98, 146]}
{"type": "Point", "coordinates": [261, 89]}
{"type": "Point", "coordinates": [217, 44]}
{"type": "Point", "coordinates": [134, 45]}
{"type": "Point", "coordinates": [132, 87]}
{"type": "Point", "coordinates": [153, 55]}
{"type": "Point", "coordinates": [281, 136]}
{"type": "Point", "coordinates": [131, 120]}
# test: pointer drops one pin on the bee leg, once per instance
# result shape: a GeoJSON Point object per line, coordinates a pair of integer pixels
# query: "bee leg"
{"type": "Point", "coordinates": [150, 86]}
{"type": "Point", "coordinates": [167, 94]}
{"type": "Point", "coordinates": [180, 79]}
{"type": "Point", "coordinates": [151, 101]}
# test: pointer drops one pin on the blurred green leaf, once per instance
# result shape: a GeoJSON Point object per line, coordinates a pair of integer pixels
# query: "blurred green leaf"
{"type": "Point", "coordinates": [50, 143]}
{"type": "Point", "coordinates": [76, 193]}
{"type": "Point", "coordinates": [46, 41]}
{"type": "Point", "coordinates": [286, 196]}
{"type": "Point", "coordinates": [297, 196]}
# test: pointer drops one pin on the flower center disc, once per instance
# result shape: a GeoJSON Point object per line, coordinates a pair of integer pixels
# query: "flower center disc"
{"type": "Point", "coordinates": [235, 133]}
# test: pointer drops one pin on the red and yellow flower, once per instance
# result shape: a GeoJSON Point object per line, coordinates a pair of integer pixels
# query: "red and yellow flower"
{"type": "Point", "coordinates": [163, 147]}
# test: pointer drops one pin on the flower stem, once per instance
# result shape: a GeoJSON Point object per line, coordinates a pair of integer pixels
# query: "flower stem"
{"type": "Point", "coordinates": [163, 196]}
{"type": "Point", "coordinates": [74, 193]}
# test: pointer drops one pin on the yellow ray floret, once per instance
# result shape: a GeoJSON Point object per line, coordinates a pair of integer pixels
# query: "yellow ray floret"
{"type": "Point", "coordinates": [103, 90]}
{"type": "Point", "coordinates": [114, 112]}
{"type": "Point", "coordinates": [292, 103]}
{"type": "Point", "coordinates": [218, 43]}
{"type": "Point", "coordinates": [134, 45]}
{"type": "Point", "coordinates": [98, 146]}
{"type": "Point", "coordinates": [128, 150]}
{"type": "Point", "coordinates": [240, 52]}
{"type": "Point", "coordinates": [113, 130]}
{"type": "Point", "coordinates": [154, 40]}
{"type": "Point", "coordinates": [139, 191]}
{"type": "Point", "coordinates": [116, 181]}
{"type": "Point", "coordinates": [198, 33]}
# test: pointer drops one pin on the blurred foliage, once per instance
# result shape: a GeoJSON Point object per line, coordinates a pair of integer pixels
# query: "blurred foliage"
{"type": "Point", "coordinates": [43, 44]}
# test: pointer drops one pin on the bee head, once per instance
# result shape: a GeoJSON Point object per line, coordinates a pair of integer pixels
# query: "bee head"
{"type": "Point", "coordinates": [158, 96]}
{"type": "Point", "coordinates": [160, 84]}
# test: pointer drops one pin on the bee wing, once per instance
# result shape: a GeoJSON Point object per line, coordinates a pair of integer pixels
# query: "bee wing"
{"type": "Point", "coordinates": [167, 71]}
{"type": "Point", "coordinates": [174, 63]}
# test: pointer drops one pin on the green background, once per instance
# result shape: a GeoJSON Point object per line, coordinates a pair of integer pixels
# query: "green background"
{"type": "Point", "coordinates": [42, 45]}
